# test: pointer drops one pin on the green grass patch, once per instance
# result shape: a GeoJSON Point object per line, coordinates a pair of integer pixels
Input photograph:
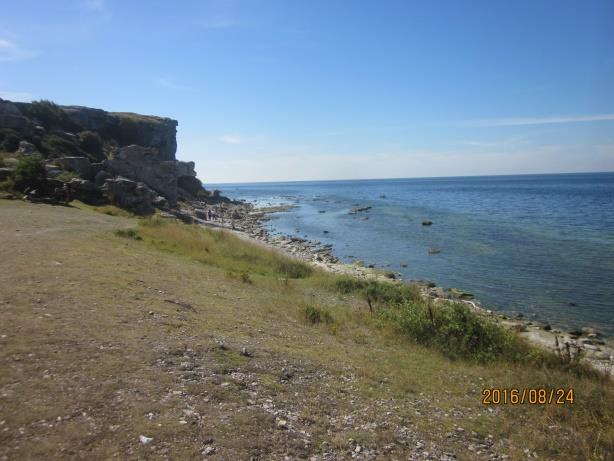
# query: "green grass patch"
{"type": "Point", "coordinates": [379, 292]}
{"type": "Point", "coordinates": [67, 176]}
{"type": "Point", "coordinates": [128, 233]}
{"type": "Point", "coordinates": [315, 314]}
{"type": "Point", "coordinates": [220, 249]}
{"type": "Point", "coordinates": [110, 210]}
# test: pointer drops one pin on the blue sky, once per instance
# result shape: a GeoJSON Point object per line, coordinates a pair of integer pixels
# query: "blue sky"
{"type": "Point", "coordinates": [297, 90]}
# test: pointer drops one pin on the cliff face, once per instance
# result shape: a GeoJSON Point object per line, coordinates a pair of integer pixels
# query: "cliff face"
{"type": "Point", "coordinates": [143, 130]}
{"type": "Point", "coordinates": [100, 146]}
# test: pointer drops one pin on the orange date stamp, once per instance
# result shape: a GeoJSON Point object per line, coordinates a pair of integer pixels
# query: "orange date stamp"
{"type": "Point", "coordinates": [530, 396]}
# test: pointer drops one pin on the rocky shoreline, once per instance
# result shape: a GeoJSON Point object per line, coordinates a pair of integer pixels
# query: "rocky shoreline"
{"type": "Point", "coordinates": [247, 221]}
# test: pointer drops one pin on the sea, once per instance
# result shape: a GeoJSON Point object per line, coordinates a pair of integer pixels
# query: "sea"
{"type": "Point", "coordinates": [540, 246]}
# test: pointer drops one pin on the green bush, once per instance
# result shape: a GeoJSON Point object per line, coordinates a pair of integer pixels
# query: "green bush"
{"type": "Point", "coordinates": [314, 314]}
{"type": "Point", "coordinates": [348, 285]}
{"type": "Point", "coordinates": [49, 114]}
{"type": "Point", "coordinates": [67, 176]}
{"type": "Point", "coordinates": [293, 269]}
{"type": "Point", "coordinates": [55, 146]}
{"type": "Point", "coordinates": [29, 173]}
{"type": "Point", "coordinates": [9, 140]}
{"type": "Point", "coordinates": [381, 292]}
{"type": "Point", "coordinates": [456, 331]}
{"type": "Point", "coordinates": [91, 143]}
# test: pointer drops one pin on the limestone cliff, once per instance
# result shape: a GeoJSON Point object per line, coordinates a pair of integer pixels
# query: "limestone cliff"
{"type": "Point", "coordinates": [100, 146]}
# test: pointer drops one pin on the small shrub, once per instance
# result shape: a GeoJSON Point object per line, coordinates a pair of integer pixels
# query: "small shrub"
{"type": "Point", "coordinates": [128, 233]}
{"type": "Point", "coordinates": [9, 140]}
{"type": "Point", "coordinates": [92, 144]}
{"type": "Point", "coordinates": [6, 186]}
{"type": "Point", "coordinates": [29, 173]}
{"type": "Point", "coordinates": [292, 269]}
{"type": "Point", "coordinates": [314, 314]}
{"type": "Point", "coordinates": [381, 292]}
{"type": "Point", "coordinates": [56, 146]}
{"type": "Point", "coordinates": [67, 176]}
{"type": "Point", "coordinates": [348, 285]}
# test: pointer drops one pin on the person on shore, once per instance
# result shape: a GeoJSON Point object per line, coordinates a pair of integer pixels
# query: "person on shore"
{"type": "Point", "coordinates": [66, 190]}
{"type": "Point", "coordinates": [209, 214]}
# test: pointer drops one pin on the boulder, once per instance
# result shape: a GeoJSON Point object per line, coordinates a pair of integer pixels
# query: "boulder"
{"type": "Point", "coordinates": [143, 164]}
{"type": "Point", "coordinates": [101, 177]}
{"type": "Point", "coordinates": [11, 117]}
{"type": "Point", "coordinates": [80, 165]}
{"type": "Point", "coordinates": [86, 191]}
{"type": "Point", "coordinates": [27, 148]}
{"type": "Point", "coordinates": [460, 294]}
{"type": "Point", "coordinates": [5, 173]}
{"type": "Point", "coordinates": [53, 171]}
{"type": "Point", "coordinates": [185, 169]}
{"type": "Point", "coordinates": [190, 184]}
{"type": "Point", "coordinates": [132, 195]}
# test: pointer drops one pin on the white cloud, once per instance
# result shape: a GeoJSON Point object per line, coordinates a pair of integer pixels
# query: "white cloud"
{"type": "Point", "coordinates": [521, 121]}
{"type": "Point", "coordinates": [230, 139]}
{"type": "Point", "coordinates": [10, 51]}
{"type": "Point", "coordinates": [16, 96]}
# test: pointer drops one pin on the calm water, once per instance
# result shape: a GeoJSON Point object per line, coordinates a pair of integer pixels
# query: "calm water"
{"type": "Point", "coordinates": [541, 245]}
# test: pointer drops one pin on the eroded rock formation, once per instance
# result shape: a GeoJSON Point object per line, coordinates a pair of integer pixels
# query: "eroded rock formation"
{"type": "Point", "coordinates": [118, 153]}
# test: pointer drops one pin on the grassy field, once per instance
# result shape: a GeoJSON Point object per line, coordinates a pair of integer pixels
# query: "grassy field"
{"type": "Point", "coordinates": [115, 328]}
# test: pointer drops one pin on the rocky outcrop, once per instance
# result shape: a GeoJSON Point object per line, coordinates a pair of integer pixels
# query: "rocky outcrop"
{"type": "Point", "coordinates": [131, 195]}
{"type": "Point", "coordinates": [128, 128]}
{"type": "Point", "coordinates": [5, 173]}
{"type": "Point", "coordinates": [80, 165]}
{"type": "Point", "coordinates": [27, 148]}
{"type": "Point", "coordinates": [11, 117]}
{"type": "Point", "coordinates": [86, 191]}
{"type": "Point", "coordinates": [99, 146]}
{"type": "Point", "coordinates": [89, 119]}
{"type": "Point", "coordinates": [157, 132]}
{"type": "Point", "coordinates": [143, 164]}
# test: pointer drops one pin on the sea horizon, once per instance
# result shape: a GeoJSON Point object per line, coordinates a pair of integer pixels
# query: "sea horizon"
{"type": "Point", "coordinates": [209, 184]}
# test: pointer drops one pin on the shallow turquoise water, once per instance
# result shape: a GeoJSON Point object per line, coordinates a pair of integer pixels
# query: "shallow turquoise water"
{"type": "Point", "coordinates": [541, 245]}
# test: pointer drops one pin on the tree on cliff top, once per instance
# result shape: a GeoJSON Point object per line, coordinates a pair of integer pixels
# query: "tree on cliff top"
{"type": "Point", "coordinates": [49, 114]}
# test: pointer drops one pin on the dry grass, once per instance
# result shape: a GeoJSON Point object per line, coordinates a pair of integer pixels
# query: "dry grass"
{"type": "Point", "coordinates": [88, 335]}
